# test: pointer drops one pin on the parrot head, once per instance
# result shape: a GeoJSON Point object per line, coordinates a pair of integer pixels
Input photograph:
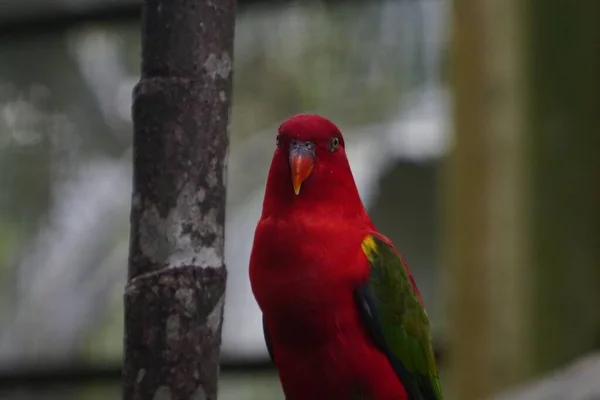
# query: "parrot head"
{"type": "Point", "coordinates": [310, 166]}
{"type": "Point", "coordinates": [307, 140]}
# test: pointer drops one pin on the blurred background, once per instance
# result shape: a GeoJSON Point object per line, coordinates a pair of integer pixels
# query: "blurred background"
{"type": "Point", "coordinates": [473, 131]}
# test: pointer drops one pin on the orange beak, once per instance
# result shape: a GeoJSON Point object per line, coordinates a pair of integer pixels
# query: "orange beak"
{"type": "Point", "coordinates": [302, 161]}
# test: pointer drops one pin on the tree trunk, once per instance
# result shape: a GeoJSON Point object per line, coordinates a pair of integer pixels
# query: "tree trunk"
{"type": "Point", "coordinates": [564, 121]}
{"type": "Point", "coordinates": [181, 108]}
{"type": "Point", "coordinates": [522, 234]}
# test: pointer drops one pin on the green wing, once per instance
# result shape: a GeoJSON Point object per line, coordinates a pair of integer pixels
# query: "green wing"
{"type": "Point", "coordinates": [395, 317]}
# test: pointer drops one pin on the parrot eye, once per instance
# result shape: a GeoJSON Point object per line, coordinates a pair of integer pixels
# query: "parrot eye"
{"type": "Point", "coordinates": [334, 143]}
{"type": "Point", "coordinates": [277, 141]}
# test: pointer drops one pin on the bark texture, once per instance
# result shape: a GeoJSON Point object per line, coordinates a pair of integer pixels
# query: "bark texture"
{"type": "Point", "coordinates": [175, 294]}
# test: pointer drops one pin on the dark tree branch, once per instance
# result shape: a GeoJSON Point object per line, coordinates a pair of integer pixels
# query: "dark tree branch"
{"type": "Point", "coordinates": [175, 294]}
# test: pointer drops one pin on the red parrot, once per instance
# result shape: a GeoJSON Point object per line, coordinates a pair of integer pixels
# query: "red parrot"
{"type": "Point", "coordinates": [342, 316]}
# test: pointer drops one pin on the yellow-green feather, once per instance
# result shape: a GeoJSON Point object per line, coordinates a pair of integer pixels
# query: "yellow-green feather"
{"type": "Point", "coordinates": [404, 322]}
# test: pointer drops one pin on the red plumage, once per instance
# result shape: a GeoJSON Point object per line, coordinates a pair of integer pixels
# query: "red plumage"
{"type": "Point", "coordinates": [306, 262]}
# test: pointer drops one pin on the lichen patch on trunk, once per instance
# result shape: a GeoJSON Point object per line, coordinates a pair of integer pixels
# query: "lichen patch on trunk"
{"type": "Point", "coordinates": [162, 393]}
{"type": "Point", "coordinates": [185, 297]}
{"type": "Point", "coordinates": [140, 375]}
{"type": "Point", "coordinates": [199, 394]}
{"type": "Point", "coordinates": [180, 238]}
{"type": "Point", "coordinates": [218, 65]}
{"type": "Point", "coordinates": [214, 319]}
{"type": "Point", "coordinates": [172, 329]}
